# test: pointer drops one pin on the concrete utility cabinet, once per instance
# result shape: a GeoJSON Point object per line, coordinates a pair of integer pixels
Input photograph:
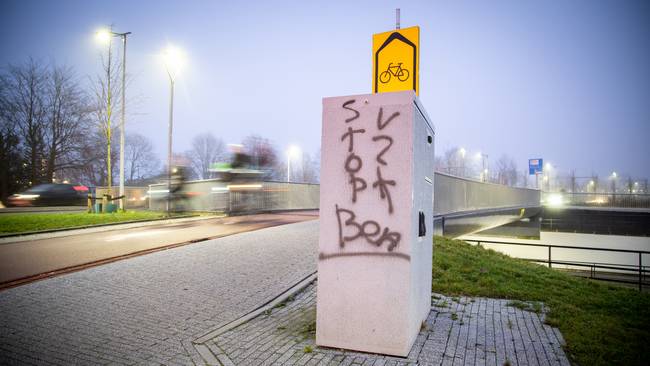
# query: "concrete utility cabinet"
{"type": "Point", "coordinates": [376, 222]}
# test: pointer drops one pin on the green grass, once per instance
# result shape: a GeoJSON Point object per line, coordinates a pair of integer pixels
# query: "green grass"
{"type": "Point", "coordinates": [24, 222]}
{"type": "Point", "coordinates": [603, 324]}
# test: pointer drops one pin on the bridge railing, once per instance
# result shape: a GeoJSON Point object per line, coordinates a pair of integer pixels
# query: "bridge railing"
{"type": "Point", "coordinates": [454, 194]}
{"type": "Point", "coordinates": [607, 200]}
{"type": "Point", "coordinates": [451, 195]}
{"type": "Point", "coordinates": [233, 197]}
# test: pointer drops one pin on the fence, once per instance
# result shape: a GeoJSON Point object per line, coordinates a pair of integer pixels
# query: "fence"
{"type": "Point", "coordinates": [453, 194]}
{"type": "Point", "coordinates": [232, 197]}
{"type": "Point", "coordinates": [639, 270]}
{"type": "Point", "coordinates": [135, 197]}
{"type": "Point", "coordinates": [608, 200]}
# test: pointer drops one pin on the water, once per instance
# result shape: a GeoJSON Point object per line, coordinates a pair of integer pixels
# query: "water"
{"type": "Point", "coordinates": [577, 240]}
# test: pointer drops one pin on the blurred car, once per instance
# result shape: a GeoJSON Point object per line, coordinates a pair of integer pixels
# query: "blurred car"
{"type": "Point", "coordinates": [51, 195]}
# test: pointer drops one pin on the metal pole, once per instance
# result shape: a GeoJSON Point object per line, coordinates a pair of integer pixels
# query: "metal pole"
{"type": "Point", "coordinates": [288, 168]}
{"type": "Point", "coordinates": [109, 114]}
{"type": "Point", "coordinates": [169, 141]}
{"type": "Point", "coordinates": [549, 256]}
{"type": "Point", "coordinates": [123, 121]}
{"type": "Point", "coordinates": [397, 25]}
{"type": "Point", "coordinates": [640, 272]}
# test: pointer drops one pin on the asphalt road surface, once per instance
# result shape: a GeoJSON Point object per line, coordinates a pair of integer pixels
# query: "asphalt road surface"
{"type": "Point", "coordinates": [28, 260]}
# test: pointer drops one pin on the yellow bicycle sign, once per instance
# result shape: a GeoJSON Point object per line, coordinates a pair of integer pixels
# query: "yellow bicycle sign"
{"type": "Point", "coordinates": [396, 60]}
{"type": "Point", "coordinates": [397, 71]}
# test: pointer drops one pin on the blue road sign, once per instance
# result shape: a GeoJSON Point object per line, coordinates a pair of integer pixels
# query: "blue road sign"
{"type": "Point", "coordinates": [535, 166]}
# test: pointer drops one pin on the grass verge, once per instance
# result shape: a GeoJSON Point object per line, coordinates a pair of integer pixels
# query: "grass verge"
{"type": "Point", "coordinates": [602, 324]}
{"type": "Point", "coordinates": [26, 222]}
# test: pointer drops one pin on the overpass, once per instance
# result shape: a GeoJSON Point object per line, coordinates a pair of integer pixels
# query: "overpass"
{"type": "Point", "coordinates": [461, 205]}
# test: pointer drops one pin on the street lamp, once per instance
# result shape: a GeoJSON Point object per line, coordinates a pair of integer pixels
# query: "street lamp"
{"type": "Point", "coordinates": [462, 161]}
{"type": "Point", "coordinates": [614, 175]}
{"type": "Point", "coordinates": [105, 36]}
{"type": "Point", "coordinates": [173, 59]}
{"type": "Point", "coordinates": [292, 152]}
{"type": "Point", "coordinates": [484, 167]}
{"type": "Point", "coordinates": [547, 178]}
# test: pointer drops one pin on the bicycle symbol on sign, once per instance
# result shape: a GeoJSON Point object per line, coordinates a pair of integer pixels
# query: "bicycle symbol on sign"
{"type": "Point", "coordinates": [397, 71]}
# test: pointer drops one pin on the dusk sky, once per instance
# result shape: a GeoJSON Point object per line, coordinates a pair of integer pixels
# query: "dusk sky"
{"type": "Point", "coordinates": [567, 81]}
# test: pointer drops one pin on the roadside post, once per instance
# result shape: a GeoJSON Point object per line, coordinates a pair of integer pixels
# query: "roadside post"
{"type": "Point", "coordinates": [536, 167]}
{"type": "Point", "coordinates": [376, 215]}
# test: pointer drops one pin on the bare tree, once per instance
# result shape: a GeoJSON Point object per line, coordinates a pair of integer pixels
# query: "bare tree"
{"type": "Point", "coordinates": [24, 110]}
{"type": "Point", "coordinates": [93, 171]}
{"type": "Point", "coordinates": [309, 172]}
{"type": "Point", "coordinates": [264, 156]}
{"type": "Point", "coordinates": [439, 164]}
{"type": "Point", "coordinates": [11, 177]}
{"type": "Point", "coordinates": [506, 170]}
{"type": "Point", "coordinates": [141, 162]}
{"type": "Point", "coordinates": [106, 93]}
{"type": "Point", "coordinates": [261, 150]}
{"type": "Point", "coordinates": [67, 121]}
{"type": "Point", "coordinates": [206, 149]}
{"type": "Point", "coordinates": [450, 162]}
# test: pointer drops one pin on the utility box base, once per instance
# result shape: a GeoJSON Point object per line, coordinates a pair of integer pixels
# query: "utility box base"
{"type": "Point", "coordinates": [376, 223]}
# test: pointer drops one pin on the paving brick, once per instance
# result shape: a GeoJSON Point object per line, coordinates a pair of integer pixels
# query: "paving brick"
{"type": "Point", "coordinates": [148, 310]}
{"type": "Point", "coordinates": [481, 329]}
{"type": "Point", "coordinates": [152, 303]}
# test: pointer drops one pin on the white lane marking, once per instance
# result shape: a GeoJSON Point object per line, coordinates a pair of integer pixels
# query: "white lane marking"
{"type": "Point", "coordinates": [136, 235]}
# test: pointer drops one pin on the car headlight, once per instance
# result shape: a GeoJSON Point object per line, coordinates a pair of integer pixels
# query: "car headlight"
{"type": "Point", "coordinates": [27, 196]}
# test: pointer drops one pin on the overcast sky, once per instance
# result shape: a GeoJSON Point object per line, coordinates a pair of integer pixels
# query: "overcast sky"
{"type": "Point", "coordinates": [567, 81]}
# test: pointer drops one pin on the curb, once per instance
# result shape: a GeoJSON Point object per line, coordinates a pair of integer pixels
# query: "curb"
{"type": "Point", "coordinates": [216, 357]}
{"type": "Point", "coordinates": [56, 233]}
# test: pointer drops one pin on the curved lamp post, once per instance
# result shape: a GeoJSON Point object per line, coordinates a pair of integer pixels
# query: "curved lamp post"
{"type": "Point", "coordinates": [105, 36]}
{"type": "Point", "coordinates": [173, 59]}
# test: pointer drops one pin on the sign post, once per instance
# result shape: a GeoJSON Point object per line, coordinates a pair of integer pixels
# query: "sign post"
{"type": "Point", "coordinates": [536, 166]}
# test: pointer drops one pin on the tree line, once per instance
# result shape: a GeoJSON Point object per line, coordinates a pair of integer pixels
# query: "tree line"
{"type": "Point", "coordinates": [52, 129]}
{"type": "Point", "coordinates": [56, 128]}
{"type": "Point", "coordinates": [503, 171]}
{"type": "Point", "coordinates": [206, 149]}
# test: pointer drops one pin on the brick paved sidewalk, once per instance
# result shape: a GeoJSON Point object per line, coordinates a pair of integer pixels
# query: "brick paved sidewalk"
{"type": "Point", "coordinates": [147, 309]}
{"type": "Point", "coordinates": [459, 331]}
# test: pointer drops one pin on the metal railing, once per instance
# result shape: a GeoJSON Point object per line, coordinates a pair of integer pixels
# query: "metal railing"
{"type": "Point", "coordinates": [455, 194]}
{"type": "Point", "coordinates": [135, 197]}
{"type": "Point", "coordinates": [640, 270]}
{"type": "Point", "coordinates": [231, 197]}
{"type": "Point", "coordinates": [452, 195]}
{"type": "Point", "coordinates": [608, 200]}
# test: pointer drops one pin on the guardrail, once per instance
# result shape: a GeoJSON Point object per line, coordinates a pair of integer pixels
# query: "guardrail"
{"type": "Point", "coordinates": [607, 200]}
{"type": "Point", "coordinates": [451, 195]}
{"type": "Point", "coordinates": [639, 269]}
{"type": "Point", "coordinates": [236, 197]}
{"type": "Point", "coordinates": [454, 194]}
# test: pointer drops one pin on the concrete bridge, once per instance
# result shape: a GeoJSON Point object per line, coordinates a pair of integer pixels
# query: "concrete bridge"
{"type": "Point", "coordinates": [461, 205]}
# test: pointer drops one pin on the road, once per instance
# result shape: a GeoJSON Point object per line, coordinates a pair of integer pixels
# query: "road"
{"type": "Point", "coordinates": [147, 310]}
{"type": "Point", "coordinates": [24, 260]}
